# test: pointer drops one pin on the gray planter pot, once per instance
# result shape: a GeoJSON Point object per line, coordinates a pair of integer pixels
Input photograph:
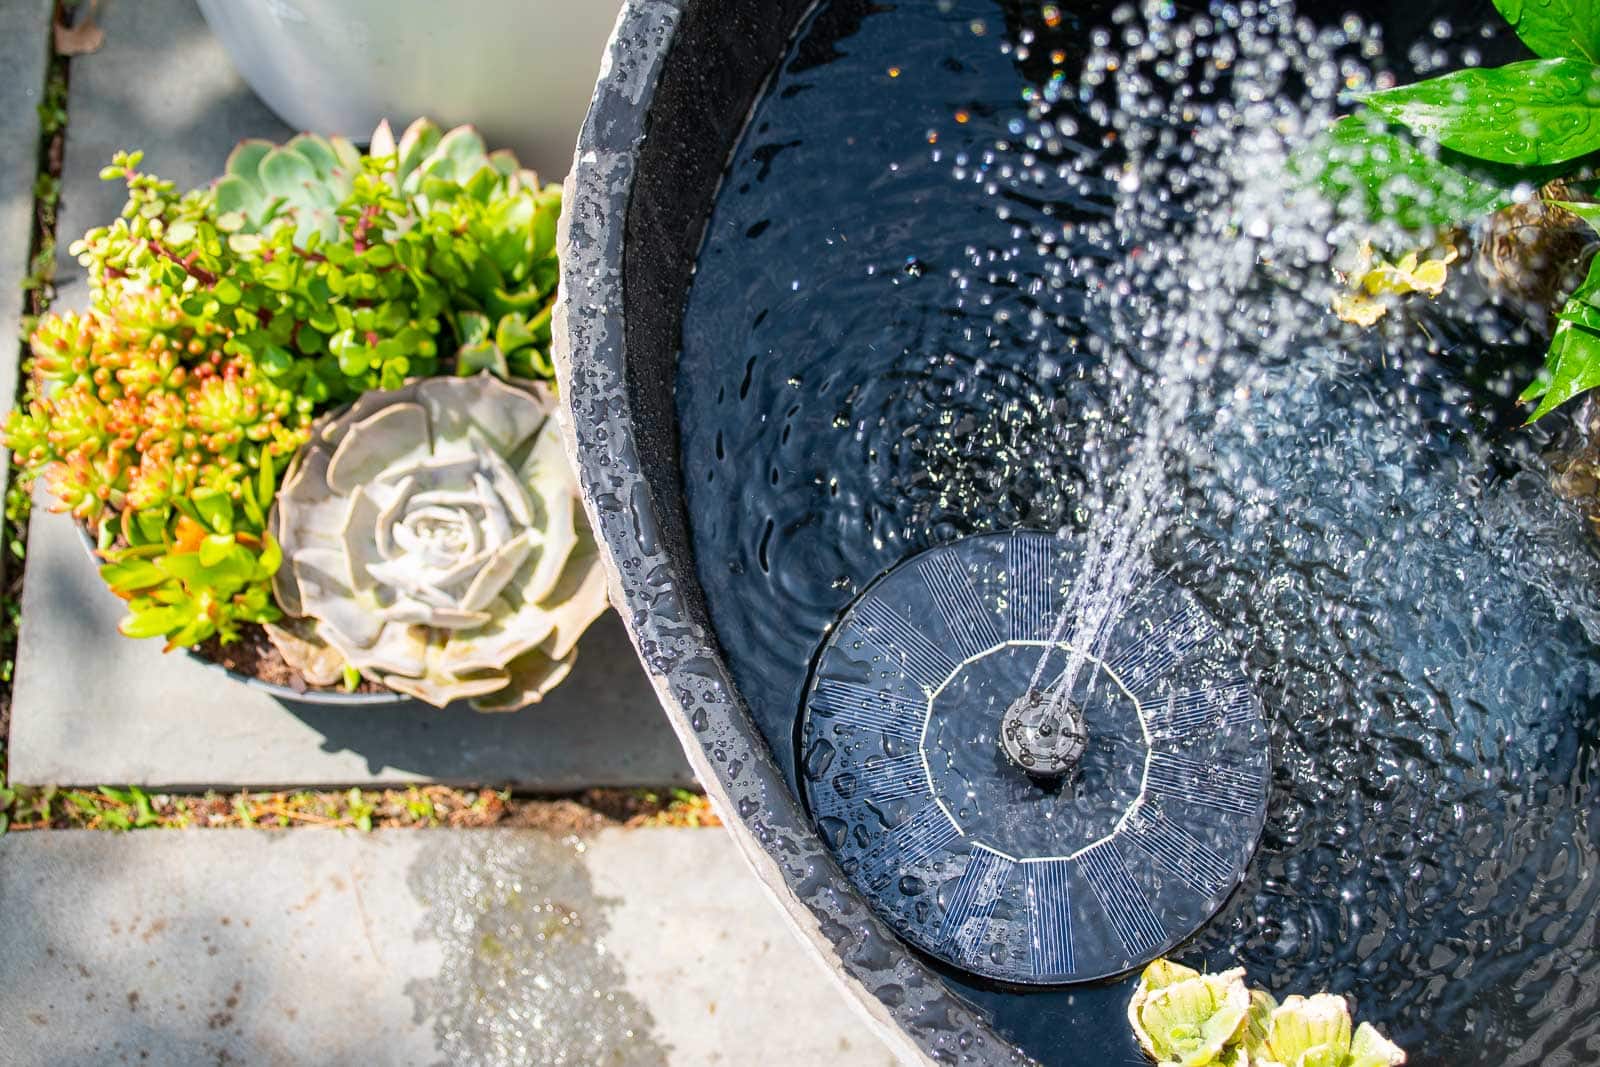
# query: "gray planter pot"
{"type": "Point", "coordinates": [519, 70]}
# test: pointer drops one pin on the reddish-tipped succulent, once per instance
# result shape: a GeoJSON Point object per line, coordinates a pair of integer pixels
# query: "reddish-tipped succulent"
{"type": "Point", "coordinates": [129, 412]}
{"type": "Point", "coordinates": [168, 448]}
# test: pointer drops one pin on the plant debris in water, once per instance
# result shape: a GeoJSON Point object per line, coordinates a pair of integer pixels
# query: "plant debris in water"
{"type": "Point", "coordinates": [1450, 149]}
{"type": "Point", "coordinates": [1183, 1018]}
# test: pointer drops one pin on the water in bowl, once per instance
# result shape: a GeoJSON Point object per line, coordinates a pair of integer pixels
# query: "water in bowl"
{"type": "Point", "coordinates": [980, 265]}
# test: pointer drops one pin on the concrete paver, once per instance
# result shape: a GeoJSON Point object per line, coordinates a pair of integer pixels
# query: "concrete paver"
{"type": "Point", "coordinates": [496, 948]}
{"type": "Point", "coordinates": [24, 53]}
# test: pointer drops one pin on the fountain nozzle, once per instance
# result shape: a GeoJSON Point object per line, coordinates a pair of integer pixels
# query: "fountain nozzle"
{"type": "Point", "coordinates": [1043, 735]}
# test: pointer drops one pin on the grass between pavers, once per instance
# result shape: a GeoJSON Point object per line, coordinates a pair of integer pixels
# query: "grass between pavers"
{"type": "Point", "coordinates": [38, 284]}
{"type": "Point", "coordinates": [415, 807]}
{"type": "Point", "coordinates": [38, 291]}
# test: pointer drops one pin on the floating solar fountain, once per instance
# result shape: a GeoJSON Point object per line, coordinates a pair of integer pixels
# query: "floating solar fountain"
{"type": "Point", "coordinates": [1038, 576]}
{"type": "Point", "coordinates": [941, 749]}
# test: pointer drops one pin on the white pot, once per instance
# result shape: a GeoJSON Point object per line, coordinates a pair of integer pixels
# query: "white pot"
{"type": "Point", "coordinates": [522, 71]}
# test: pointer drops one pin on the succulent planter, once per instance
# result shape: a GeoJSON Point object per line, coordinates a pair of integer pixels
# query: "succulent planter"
{"type": "Point", "coordinates": [304, 406]}
{"type": "Point", "coordinates": [340, 68]}
{"type": "Point", "coordinates": [432, 541]}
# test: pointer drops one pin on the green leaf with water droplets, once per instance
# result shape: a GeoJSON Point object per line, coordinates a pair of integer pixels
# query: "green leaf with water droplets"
{"type": "Point", "coordinates": [1573, 363]}
{"type": "Point", "coordinates": [1371, 172]}
{"type": "Point", "coordinates": [1537, 112]}
{"type": "Point", "coordinates": [1556, 29]}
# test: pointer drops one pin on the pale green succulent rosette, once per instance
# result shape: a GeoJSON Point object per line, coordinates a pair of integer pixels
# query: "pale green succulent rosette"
{"type": "Point", "coordinates": [431, 535]}
{"type": "Point", "coordinates": [1317, 1031]}
{"type": "Point", "coordinates": [1368, 1048]}
{"type": "Point", "coordinates": [1257, 1025]}
{"type": "Point", "coordinates": [1183, 1018]}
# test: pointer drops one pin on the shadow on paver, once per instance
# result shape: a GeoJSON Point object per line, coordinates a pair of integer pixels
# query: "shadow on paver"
{"type": "Point", "coordinates": [605, 715]}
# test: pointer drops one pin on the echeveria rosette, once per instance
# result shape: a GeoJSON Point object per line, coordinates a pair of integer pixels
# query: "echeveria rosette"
{"type": "Point", "coordinates": [1183, 1018]}
{"type": "Point", "coordinates": [1317, 1031]}
{"type": "Point", "coordinates": [432, 535]}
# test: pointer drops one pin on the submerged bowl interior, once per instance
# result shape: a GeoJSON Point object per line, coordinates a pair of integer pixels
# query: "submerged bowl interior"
{"type": "Point", "coordinates": [675, 90]}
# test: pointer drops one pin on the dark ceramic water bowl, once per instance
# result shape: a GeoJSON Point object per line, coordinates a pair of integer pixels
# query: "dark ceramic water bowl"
{"type": "Point", "coordinates": [673, 107]}
{"type": "Point", "coordinates": [673, 97]}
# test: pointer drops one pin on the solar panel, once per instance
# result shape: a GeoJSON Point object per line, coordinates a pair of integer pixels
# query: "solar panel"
{"type": "Point", "coordinates": [1020, 808]}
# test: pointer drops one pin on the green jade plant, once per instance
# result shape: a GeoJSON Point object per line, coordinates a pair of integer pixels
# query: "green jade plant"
{"type": "Point", "coordinates": [341, 272]}
{"type": "Point", "coordinates": [1450, 150]}
{"type": "Point", "coordinates": [1183, 1018]}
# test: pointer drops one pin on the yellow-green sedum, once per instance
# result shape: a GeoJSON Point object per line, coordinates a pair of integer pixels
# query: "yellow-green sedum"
{"type": "Point", "coordinates": [1183, 1018]}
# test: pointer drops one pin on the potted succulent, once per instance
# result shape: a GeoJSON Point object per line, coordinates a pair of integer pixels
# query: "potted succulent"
{"type": "Point", "coordinates": [520, 70]}
{"type": "Point", "coordinates": [249, 425]}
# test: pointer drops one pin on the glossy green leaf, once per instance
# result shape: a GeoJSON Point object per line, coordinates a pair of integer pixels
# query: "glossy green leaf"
{"type": "Point", "coordinates": [147, 527]}
{"type": "Point", "coordinates": [214, 508]}
{"type": "Point", "coordinates": [155, 622]}
{"type": "Point", "coordinates": [354, 360]}
{"type": "Point", "coordinates": [1371, 172]}
{"type": "Point", "coordinates": [130, 575]}
{"type": "Point", "coordinates": [214, 549]}
{"type": "Point", "coordinates": [472, 327]}
{"type": "Point", "coordinates": [191, 633]}
{"type": "Point", "coordinates": [1589, 213]}
{"type": "Point", "coordinates": [1556, 29]}
{"type": "Point", "coordinates": [253, 512]}
{"type": "Point", "coordinates": [266, 483]}
{"type": "Point", "coordinates": [484, 356]}
{"type": "Point", "coordinates": [181, 233]}
{"type": "Point", "coordinates": [271, 557]}
{"type": "Point", "coordinates": [513, 333]}
{"type": "Point", "coordinates": [392, 376]}
{"type": "Point", "coordinates": [244, 243]}
{"type": "Point", "coordinates": [275, 360]}
{"type": "Point", "coordinates": [1537, 112]}
{"type": "Point", "coordinates": [544, 224]}
{"type": "Point", "coordinates": [1581, 313]}
{"type": "Point", "coordinates": [1574, 366]}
